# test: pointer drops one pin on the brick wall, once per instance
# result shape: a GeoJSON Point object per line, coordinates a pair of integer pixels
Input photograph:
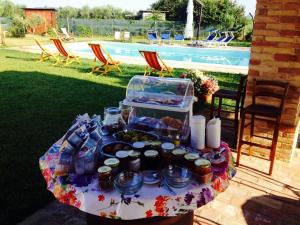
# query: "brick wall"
{"type": "Point", "coordinates": [275, 55]}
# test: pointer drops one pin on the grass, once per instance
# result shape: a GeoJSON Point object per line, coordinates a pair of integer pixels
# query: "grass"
{"type": "Point", "coordinates": [38, 102]}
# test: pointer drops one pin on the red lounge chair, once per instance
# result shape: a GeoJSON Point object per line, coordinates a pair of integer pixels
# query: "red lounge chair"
{"type": "Point", "coordinates": [108, 64]}
{"type": "Point", "coordinates": [155, 63]}
{"type": "Point", "coordinates": [66, 54]}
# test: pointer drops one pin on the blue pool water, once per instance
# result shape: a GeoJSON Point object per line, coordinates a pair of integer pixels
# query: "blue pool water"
{"type": "Point", "coordinates": [178, 53]}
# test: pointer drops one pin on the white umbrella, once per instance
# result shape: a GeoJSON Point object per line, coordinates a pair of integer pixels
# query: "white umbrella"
{"type": "Point", "coordinates": [189, 28]}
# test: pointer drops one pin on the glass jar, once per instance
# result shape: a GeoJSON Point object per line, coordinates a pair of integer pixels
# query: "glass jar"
{"type": "Point", "coordinates": [134, 161]}
{"type": "Point", "coordinates": [202, 166]}
{"type": "Point", "coordinates": [89, 163]}
{"type": "Point", "coordinates": [79, 163]}
{"type": "Point", "coordinates": [190, 158]}
{"type": "Point", "coordinates": [114, 164]}
{"type": "Point", "coordinates": [156, 145]}
{"type": "Point", "coordinates": [125, 111]}
{"type": "Point", "coordinates": [151, 161]}
{"type": "Point", "coordinates": [139, 146]}
{"type": "Point", "coordinates": [113, 121]}
{"type": "Point", "coordinates": [166, 152]}
{"type": "Point", "coordinates": [105, 178]}
{"type": "Point", "coordinates": [123, 157]}
{"type": "Point", "coordinates": [178, 156]}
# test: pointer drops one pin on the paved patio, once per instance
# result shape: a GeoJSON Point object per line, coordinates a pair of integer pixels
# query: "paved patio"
{"type": "Point", "coordinates": [252, 198]}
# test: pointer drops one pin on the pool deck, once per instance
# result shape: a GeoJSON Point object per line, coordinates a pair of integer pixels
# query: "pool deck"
{"type": "Point", "coordinates": [141, 61]}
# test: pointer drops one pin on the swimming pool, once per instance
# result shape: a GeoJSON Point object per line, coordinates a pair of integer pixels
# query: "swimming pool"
{"type": "Point", "coordinates": [218, 56]}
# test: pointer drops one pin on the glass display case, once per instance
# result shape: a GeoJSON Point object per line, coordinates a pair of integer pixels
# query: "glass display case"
{"type": "Point", "coordinates": [160, 105]}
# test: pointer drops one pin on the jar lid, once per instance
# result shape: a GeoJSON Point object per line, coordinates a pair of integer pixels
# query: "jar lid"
{"type": "Point", "coordinates": [113, 110]}
{"type": "Point", "coordinates": [121, 154]}
{"type": "Point", "coordinates": [104, 169]}
{"type": "Point", "coordinates": [168, 146]}
{"type": "Point", "coordinates": [191, 156]}
{"type": "Point", "coordinates": [151, 153]}
{"type": "Point", "coordinates": [178, 151]}
{"type": "Point", "coordinates": [202, 163]}
{"type": "Point", "coordinates": [138, 144]}
{"type": "Point", "coordinates": [155, 143]}
{"type": "Point", "coordinates": [134, 154]}
{"type": "Point", "coordinates": [113, 162]}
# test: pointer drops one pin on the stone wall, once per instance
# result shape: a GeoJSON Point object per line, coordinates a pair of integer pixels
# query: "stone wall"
{"type": "Point", "coordinates": [275, 55]}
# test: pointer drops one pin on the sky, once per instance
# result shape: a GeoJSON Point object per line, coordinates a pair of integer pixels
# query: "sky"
{"type": "Point", "coordinates": [133, 5]}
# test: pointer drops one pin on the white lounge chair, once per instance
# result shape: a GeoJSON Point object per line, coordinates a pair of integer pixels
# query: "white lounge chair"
{"type": "Point", "coordinates": [126, 36]}
{"type": "Point", "coordinates": [66, 35]}
{"type": "Point", "coordinates": [117, 35]}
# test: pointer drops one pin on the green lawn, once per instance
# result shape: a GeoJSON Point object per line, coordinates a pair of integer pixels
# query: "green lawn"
{"type": "Point", "coordinates": [38, 102]}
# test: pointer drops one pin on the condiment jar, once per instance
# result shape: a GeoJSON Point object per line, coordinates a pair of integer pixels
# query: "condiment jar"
{"type": "Point", "coordinates": [202, 166]}
{"type": "Point", "coordinates": [134, 161]}
{"type": "Point", "coordinates": [114, 164]}
{"type": "Point", "coordinates": [139, 146]}
{"type": "Point", "coordinates": [190, 159]}
{"type": "Point", "coordinates": [123, 157]}
{"type": "Point", "coordinates": [125, 111]}
{"type": "Point", "coordinates": [156, 145]}
{"type": "Point", "coordinates": [105, 178]}
{"type": "Point", "coordinates": [178, 156]}
{"type": "Point", "coordinates": [166, 152]}
{"type": "Point", "coordinates": [89, 162]}
{"type": "Point", "coordinates": [151, 161]}
{"type": "Point", "coordinates": [113, 120]}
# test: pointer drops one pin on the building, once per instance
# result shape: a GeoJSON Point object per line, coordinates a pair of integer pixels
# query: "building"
{"type": "Point", "coordinates": [49, 14]}
{"type": "Point", "coordinates": [145, 14]}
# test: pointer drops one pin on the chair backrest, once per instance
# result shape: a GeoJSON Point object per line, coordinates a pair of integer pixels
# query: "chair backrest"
{"type": "Point", "coordinates": [222, 38]}
{"type": "Point", "coordinates": [117, 35]}
{"type": "Point", "coordinates": [126, 35]}
{"type": "Point", "coordinates": [58, 43]}
{"type": "Point", "coordinates": [211, 36]}
{"type": "Point", "coordinates": [242, 89]}
{"type": "Point", "coordinates": [97, 49]}
{"type": "Point", "coordinates": [39, 44]}
{"type": "Point", "coordinates": [270, 89]}
{"type": "Point", "coordinates": [65, 32]}
{"type": "Point", "coordinates": [152, 59]}
{"type": "Point", "coordinates": [152, 36]}
{"type": "Point", "coordinates": [55, 32]}
{"type": "Point", "coordinates": [166, 36]}
{"type": "Point", "coordinates": [179, 37]}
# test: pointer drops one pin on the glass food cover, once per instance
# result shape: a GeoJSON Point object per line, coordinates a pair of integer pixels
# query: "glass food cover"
{"type": "Point", "coordinates": [160, 105]}
{"type": "Point", "coordinates": [172, 94]}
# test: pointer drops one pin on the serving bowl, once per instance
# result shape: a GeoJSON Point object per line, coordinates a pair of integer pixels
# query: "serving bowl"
{"type": "Point", "coordinates": [135, 135]}
{"type": "Point", "coordinates": [177, 177]}
{"type": "Point", "coordinates": [128, 183]}
{"type": "Point", "coordinates": [109, 150]}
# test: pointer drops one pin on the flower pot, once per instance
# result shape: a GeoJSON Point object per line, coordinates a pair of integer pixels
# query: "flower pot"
{"type": "Point", "coordinates": [204, 98]}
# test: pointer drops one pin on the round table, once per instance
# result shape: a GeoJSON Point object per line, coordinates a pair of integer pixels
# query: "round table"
{"type": "Point", "coordinates": [150, 201]}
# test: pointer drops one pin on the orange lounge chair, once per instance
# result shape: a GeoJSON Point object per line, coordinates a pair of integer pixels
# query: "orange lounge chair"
{"type": "Point", "coordinates": [67, 55]}
{"type": "Point", "coordinates": [155, 63]}
{"type": "Point", "coordinates": [46, 54]}
{"type": "Point", "coordinates": [108, 64]}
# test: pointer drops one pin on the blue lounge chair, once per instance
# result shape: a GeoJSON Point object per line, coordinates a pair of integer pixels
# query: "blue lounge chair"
{"type": "Point", "coordinates": [166, 36]}
{"type": "Point", "coordinates": [179, 37]}
{"type": "Point", "coordinates": [211, 36]}
{"type": "Point", "coordinates": [227, 40]}
{"type": "Point", "coordinates": [215, 42]}
{"type": "Point", "coordinates": [152, 37]}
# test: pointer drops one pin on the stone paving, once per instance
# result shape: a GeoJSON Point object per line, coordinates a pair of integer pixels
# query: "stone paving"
{"type": "Point", "coordinates": [252, 198]}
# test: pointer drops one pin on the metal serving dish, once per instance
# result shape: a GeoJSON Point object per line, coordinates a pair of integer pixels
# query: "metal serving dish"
{"type": "Point", "coordinates": [177, 177]}
{"type": "Point", "coordinates": [134, 135]}
{"type": "Point", "coordinates": [109, 150]}
{"type": "Point", "coordinates": [128, 183]}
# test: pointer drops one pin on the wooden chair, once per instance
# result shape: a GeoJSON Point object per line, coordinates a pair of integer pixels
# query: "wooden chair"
{"type": "Point", "coordinates": [66, 54]}
{"type": "Point", "coordinates": [236, 95]}
{"type": "Point", "coordinates": [268, 90]}
{"type": "Point", "coordinates": [108, 64]}
{"type": "Point", "coordinates": [46, 54]}
{"type": "Point", "coordinates": [155, 64]}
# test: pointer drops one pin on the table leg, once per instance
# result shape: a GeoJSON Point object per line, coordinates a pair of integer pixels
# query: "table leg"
{"type": "Point", "coordinates": [186, 219]}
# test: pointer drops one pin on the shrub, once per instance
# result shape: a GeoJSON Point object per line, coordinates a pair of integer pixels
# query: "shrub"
{"type": "Point", "coordinates": [51, 33]}
{"type": "Point", "coordinates": [83, 31]}
{"type": "Point", "coordinates": [18, 28]}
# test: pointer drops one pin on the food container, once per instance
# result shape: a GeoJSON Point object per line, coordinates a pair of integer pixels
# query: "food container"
{"type": "Point", "coordinates": [156, 145]}
{"type": "Point", "coordinates": [123, 157]}
{"type": "Point", "coordinates": [177, 177]}
{"type": "Point", "coordinates": [204, 179]}
{"type": "Point", "coordinates": [178, 156]}
{"type": "Point", "coordinates": [105, 178]}
{"type": "Point", "coordinates": [132, 136]}
{"type": "Point", "coordinates": [151, 160]}
{"type": "Point", "coordinates": [125, 111]}
{"type": "Point", "coordinates": [67, 148]}
{"type": "Point", "coordinates": [190, 159]}
{"type": "Point", "coordinates": [113, 121]}
{"type": "Point", "coordinates": [202, 166]}
{"type": "Point", "coordinates": [139, 146]}
{"type": "Point", "coordinates": [134, 161]}
{"type": "Point", "coordinates": [128, 183]}
{"type": "Point", "coordinates": [77, 138]}
{"type": "Point", "coordinates": [166, 151]}
{"type": "Point", "coordinates": [109, 150]}
{"type": "Point", "coordinates": [114, 164]}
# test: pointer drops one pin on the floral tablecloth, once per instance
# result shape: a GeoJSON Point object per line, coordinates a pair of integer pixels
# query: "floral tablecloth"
{"type": "Point", "coordinates": [151, 200]}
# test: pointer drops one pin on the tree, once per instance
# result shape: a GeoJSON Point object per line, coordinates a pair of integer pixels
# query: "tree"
{"type": "Point", "coordinates": [35, 21]}
{"type": "Point", "coordinates": [9, 10]}
{"type": "Point", "coordinates": [68, 12]}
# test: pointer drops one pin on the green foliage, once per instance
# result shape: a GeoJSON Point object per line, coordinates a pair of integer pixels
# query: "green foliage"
{"type": "Point", "coordinates": [176, 8]}
{"type": "Point", "coordinates": [8, 9]}
{"type": "Point", "coordinates": [83, 31]}
{"type": "Point", "coordinates": [35, 21]}
{"type": "Point", "coordinates": [18, 28]}
{"type": "Point", "coordinates": [51, 33]}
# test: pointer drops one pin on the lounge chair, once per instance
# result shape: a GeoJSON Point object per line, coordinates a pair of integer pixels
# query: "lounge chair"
{"type": "Point", "coordinates": [66, 54]}
{"type": "Point", "coordinates": [213, 43]}
{"type": "Point", "coordinates": [127, 36]}
{"type": "Point", "coordinates": [221, 42]}
{"type": "Point", "coordinates": [117, 36]}
{"type": "Point", "coordinates": [155, 64]}
{"type": "Point", "coordinates": [57, 34]}
{"type": "Point", "coordinates": [152, 37]}
{"type": "Point", "coordinates": [66, 35]}
{"type": "Point", "coordinates": [178, 37]}
{"type": "Point", "coordinates": [227, 40]}
{"type": "Point", "coordinates": [46, 54]}
{"type": "Point", "coordinates": [108, 64]}
{"type": "Point", "coordinates": [166, 37]}
{"type": "Point", "coordinates": [212, 35]}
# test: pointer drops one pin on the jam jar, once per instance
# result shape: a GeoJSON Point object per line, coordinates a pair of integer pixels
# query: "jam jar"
{"type": "Point", "coordinates": [125, 111]}
{"type": "Point", "coordinates": [113, 120]}
{"type": "Point", "coordinates": [139, 146]}
{"type": "Point", "coordinates": [105, 178]}
{"type": "Point", "coordinates": [114, 164]}
{"type": "Point", "coordinates": [203, 171]}
{"type": "Point", "coordinates": [178, 156]}
{"type": "Point", "coordinates": [134, 162]}
{"type": "Point", "coordinates": [166, 152]}
{"type": "Point", "coordinates": [190, 159]}
{"type": "Point", "coordinates": [123, 157]}
{"type": "Point", "coordinates": [151, 161]}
